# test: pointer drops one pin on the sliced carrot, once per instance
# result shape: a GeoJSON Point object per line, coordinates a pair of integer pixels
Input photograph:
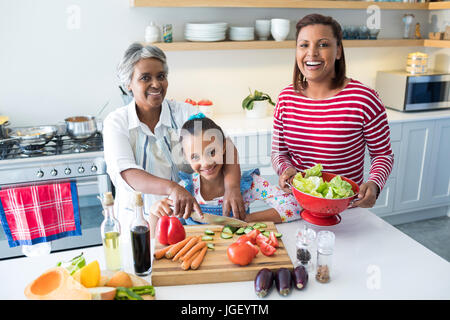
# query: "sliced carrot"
{"type": "Point", "coordinates": [177, 247]}
{"type": "Point", "coordinates": [194, 249]}
{"type": "Point", "coordinates": [199, 259]}
{"type": "Point", "coordinates": [185, 249]}
{"type": "Point", "coordinates": [187, 262]}
{"type": "Point", "coordinates": [160, 253]}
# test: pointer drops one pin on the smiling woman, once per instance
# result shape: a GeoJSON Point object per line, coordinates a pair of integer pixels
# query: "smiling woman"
{"type": "Point", "coordinates": [325, 117]}
{"type": "Point", "coordinates": [141, 142]}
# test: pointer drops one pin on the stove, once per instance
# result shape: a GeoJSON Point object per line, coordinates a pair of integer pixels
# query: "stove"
{"type": "Point", "coordinates": [62, 159]}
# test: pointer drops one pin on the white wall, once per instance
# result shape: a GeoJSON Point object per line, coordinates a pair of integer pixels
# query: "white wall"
{"type": "Point", "coordinates": [49, 71]}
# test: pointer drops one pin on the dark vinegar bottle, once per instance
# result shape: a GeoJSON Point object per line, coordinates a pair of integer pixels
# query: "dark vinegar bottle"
{"type": "Point", "coordinates": [140, 240]}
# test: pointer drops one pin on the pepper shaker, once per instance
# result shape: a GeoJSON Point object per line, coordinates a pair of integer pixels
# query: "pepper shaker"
{"type": "Point", "coordinates": [325, 248]}
{"type": "Point", "coordinates": [304, 243]}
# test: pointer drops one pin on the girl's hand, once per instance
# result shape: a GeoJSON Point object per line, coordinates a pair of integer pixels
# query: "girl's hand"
{"type": "Point", "coordinates": [232, 200]}
{"type": "Point", "coordinates": [287, 176]}
{"type": "Point", "coordinates": [162, 208]}
{"type": "Point", "coordinates": [367, 195]}
{"type": "Point", "coordinates": [183, 202]}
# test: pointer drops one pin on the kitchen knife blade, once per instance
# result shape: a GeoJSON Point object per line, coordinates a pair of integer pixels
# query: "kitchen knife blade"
{"type": "Point", "coordinates": [215, 219]}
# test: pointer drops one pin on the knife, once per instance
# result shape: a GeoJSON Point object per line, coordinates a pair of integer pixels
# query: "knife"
{"type": "Point", "coordinates": [215, 219]}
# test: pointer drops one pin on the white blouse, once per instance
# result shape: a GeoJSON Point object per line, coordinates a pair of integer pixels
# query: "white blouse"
{"type": "Point", "coordinates": [129, 143]}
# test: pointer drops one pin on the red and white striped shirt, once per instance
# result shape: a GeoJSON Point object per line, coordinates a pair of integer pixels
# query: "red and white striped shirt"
{"type": "Point", "coordinates": [334, 132]}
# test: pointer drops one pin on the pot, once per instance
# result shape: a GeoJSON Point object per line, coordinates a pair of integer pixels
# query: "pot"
{"type": "Point", "coordinates": [30, 136]}
{"type": "Point", "coordinates": [81, 127]}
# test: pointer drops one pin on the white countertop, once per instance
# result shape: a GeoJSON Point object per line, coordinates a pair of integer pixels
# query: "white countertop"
{"type": "Point", "coordinates": [372, 260]}
{"type": "Point", "coordinates": [236, 124]}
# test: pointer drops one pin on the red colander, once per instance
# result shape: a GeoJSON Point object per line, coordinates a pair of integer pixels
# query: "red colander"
{"type": "Point", "coordinates": [321, 211]}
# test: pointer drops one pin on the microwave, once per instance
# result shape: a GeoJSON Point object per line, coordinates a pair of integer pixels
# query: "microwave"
{"type": "Point", "coordinates": [400, 90]}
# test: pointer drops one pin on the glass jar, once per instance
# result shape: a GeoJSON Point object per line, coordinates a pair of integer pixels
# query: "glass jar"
{"type": "Point", "coordinates": [305, 242]}
{"type": "Point", "coordinates": [325, 248]}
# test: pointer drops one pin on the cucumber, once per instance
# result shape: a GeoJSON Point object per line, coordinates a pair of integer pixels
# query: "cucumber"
{"type": "Point", "coordinates": [256, 226]}
{"type": "Point", "coordinates": [210, 246]}
{"type": "Point", "coordinates": [224, 235]}
{"type": "Point", "coordinates": [209, 232]}
{"type": "Point", "coordinates": [266, 233]}
{"type": "Point", "coordinates": [207, 238]}
{"type": "Point", "coordinates": [261, 225]}
{"type": "Point", "coordinates": [229, 229]}
{"type": "Point", "coordinates": [278, 235]}
{"type": "Point", "coordinates": [240, 231]}
{"type": "Point", "coordinates": [248, 229]}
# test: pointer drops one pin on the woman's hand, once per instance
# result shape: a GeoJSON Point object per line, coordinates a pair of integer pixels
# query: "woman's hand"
{"type": "Point", "coordinates": [162, 208]}
{"type": "Point", "coordinates": [232, 200]}
{"type": "Point", "coordinates": [287, 176]}
{"type": "Point", "coordinates": [367, 195]}
{"type": "Point", "coordinates": [183, 202]}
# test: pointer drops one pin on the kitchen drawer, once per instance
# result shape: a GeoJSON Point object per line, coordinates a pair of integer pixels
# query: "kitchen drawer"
{"type": "Point", "coordinates": [396, 131]}
{"type": "Point", "coordinates": [385, 202]}
{"type": "Point", "coordinates": [254, 150]}
{"type": "Point", "coordinates": [395, 148]}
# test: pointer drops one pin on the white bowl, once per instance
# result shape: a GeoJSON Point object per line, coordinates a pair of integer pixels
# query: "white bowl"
{"type": "Point", "coordinates": [262, 29]}
{"type": "Point", "coordinates": [282, 22]}
{"type": "Point", "coordinates": [279, 35]}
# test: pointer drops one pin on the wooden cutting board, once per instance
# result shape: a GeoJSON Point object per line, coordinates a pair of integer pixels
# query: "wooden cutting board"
{"type": "Point", "coordinates": [216, 267]}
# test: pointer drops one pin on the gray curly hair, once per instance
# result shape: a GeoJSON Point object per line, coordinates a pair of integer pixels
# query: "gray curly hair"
{"type": "Point", "coordinates": [133, 55]}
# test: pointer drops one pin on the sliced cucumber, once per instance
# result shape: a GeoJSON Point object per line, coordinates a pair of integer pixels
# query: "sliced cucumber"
{"type": "Point", "coordinates": [278, 235]}
{"type": "Point", "coordinates": [207, 238]}
{"type": "Point", "coordinates": [248, 229]}
{"type": "Point", "coordinates": [209, 232]}
{"type": "Point", "coordinates": [224, 235]}
{"type": "Point", "coordinates": [210, 246]}
{"type": "Point", "coordinates": [256, 226]}
{"type": "Point", "coordinates": [228, 230]}
{"type": "Point", "coordinates": [240, 231]}
{"type": "Point", "coordinates": [266, 233]}
{"type": "Point", "coordinates": [261, 225]}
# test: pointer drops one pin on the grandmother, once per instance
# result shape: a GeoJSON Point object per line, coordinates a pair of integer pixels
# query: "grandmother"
{"type": "Point", "coordinates": [141, 142]}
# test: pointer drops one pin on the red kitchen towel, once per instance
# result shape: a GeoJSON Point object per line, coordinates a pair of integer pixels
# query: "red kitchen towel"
{"type": "Point", "coordinates": [40, 213]}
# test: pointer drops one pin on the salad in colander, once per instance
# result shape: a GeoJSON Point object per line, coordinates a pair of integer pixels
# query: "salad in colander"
{"type": "Point", "coordinates": [313, 184]}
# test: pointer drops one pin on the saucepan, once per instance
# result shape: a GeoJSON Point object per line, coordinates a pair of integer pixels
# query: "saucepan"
{"type": "Point", "coordinates": [81, 127]}
{"type": "Point", "coordinates": [30, 137]}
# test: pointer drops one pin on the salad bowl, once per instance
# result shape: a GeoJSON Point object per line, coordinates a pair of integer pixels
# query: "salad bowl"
{"type": "Point", "coordinates": [322, 211]}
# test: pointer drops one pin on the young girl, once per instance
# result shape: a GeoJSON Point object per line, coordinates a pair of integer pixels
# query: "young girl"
{"type": "Point", "coordinates": [203, 146]}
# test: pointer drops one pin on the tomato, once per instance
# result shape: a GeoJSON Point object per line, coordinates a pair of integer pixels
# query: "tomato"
{"type": "Point", "coordinates": [240, 253]}
{"type": "Point", "coordinates": [261, 238]}
{"type": "Point", "coordinates": [243, 238]}
{"type": "Point", "coordinates": [253, 234]}
{"type": "Point", "coordinates": [267, 249]}
{"type": "Point", "coordinates": [190, 101]}
{"type": "Point", "coordinates": [273, 239]}
{"type": "Point", "coordinates": [255, 248]}
{"type": "Point", "coordinates": [169, 230]}
{"type": "Point", "coordinates": [205, 102]}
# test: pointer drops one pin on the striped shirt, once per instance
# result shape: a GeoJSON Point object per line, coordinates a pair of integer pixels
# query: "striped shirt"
{"type": "Point", "coordinates": [334, 132]}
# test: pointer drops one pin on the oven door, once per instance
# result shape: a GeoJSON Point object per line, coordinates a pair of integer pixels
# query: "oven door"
{"type": "Point", "coordinates": [88, 189]}
{"type": "Point", "coordinates": [427, 92]}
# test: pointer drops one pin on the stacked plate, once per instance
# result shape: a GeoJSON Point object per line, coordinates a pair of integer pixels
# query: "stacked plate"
{"type": "Point", "coordinates": [242, 33]}
{"type": "Point", "coordinates": [205, 31]}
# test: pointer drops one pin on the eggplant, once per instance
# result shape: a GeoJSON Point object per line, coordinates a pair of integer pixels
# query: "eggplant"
{"type": "Point", "coordinates": [263, 282]}
{"type": "Point", "coordinates": [300, 277]}
{"type": "Point", "coordinates": [283, 281]}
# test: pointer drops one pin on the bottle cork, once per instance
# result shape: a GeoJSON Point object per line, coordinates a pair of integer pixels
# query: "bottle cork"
{"type": "Point", "coordinates": [138, 200]}
{"type": "Point", "coordinates": [108, 199]}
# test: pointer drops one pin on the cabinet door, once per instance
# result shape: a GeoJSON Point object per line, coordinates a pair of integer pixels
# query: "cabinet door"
{"type": "Point", "coordinates": [438, 180]}
{"type": "Point", "coordinates": [385, 201]}
{"type": "Point", "coordinates": [414, 165]}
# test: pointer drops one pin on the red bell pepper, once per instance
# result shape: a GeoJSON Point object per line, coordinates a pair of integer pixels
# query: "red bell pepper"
{"type": "Point", "coordinates": [169, 230]}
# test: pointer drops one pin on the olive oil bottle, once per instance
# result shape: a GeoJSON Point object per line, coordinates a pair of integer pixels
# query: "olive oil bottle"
{"type": "Point", "coordinates": [110, 230]}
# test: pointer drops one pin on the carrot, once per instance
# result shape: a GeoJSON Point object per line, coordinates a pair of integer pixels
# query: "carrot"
{"type": "Point", "coordinates": [161, 252]}
{"type": "Point", "coordinates": [199, 259]}
{"type": "Point", "coordinates": [185, 249]}
{"type": "Point", "coordinates": [177, 247]}
{"type": "Point", "coordinates": [187, 262]}
{"type": "Point", "coordinates": [194, 249]}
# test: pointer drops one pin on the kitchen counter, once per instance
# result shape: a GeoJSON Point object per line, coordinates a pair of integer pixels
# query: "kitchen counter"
{"type": "Point", "coordinates": [236, 124]}
{"type": "Point", "coordinates": [372, 260]}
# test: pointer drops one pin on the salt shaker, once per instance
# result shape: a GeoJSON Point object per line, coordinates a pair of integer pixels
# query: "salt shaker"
{"type": "Point", "coordinates": [304, 244]}
{"type": "Point", "coordinates": [325, 248]}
